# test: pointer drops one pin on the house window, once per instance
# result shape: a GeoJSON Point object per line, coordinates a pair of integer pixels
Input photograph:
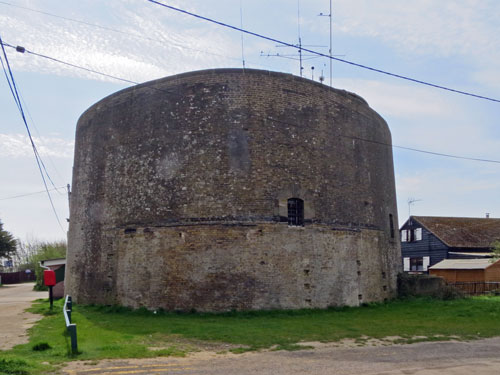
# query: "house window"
{"type": "Point", "coordinates": [295, 211]}
{"type": "Point", "coordinates": [411, 235]}
{"type": "Point", "coordinates": [418, 264]}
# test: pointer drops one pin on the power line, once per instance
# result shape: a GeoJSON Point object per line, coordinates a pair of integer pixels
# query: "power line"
{"type": "Point", "coordinates": [396, 146]}
{"type": "Point", "coordinates": [134, 35]}
{"type": "Point", "coordinates": [28, 194]}
{"type": "Point", "coordinates": [24, 50]}
{"type": "Point", "coordinates": [15, 94]}
{"type": "Point", "coordinates": [261, 36]}
{"type": "Point", "coordinates": [269, 118]}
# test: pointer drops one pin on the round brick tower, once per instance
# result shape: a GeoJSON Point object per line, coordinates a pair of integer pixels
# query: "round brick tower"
{"type": "Point", "coordinates": [232, 189]}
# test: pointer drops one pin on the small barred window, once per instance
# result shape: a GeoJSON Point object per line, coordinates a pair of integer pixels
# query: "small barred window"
{"type": "Point", "coordinates": [295, 211]}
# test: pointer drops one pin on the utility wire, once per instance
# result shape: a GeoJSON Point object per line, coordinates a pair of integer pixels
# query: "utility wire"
{"type": "Point", "coordinates": [261, 36]}
{"type": "Point", "coordinates": [15, 93]}
{"type": "Point", "coordinates": [28, 194]}
{"type": "Point", "coordinates": [24, 50]}
{"type": "Point", "coordinates": [134, 35]}
{"type": "Point", "coordinates": [270, 118]}
{"type": "Point", "coordinates": [396, 146]}
{"type": "Point", "coordinates": [37, 132]}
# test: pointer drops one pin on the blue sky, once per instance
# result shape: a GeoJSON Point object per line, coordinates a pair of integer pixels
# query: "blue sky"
{"type": "Point", "coordinates": [451, 43]}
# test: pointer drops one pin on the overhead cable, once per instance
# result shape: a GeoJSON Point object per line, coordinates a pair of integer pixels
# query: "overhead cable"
{"type": "Point", "coordinates": [396, 146]}
{"type": "Point", "coordinates": [274, 40]}
{"type": "Point", "coordinates": [269, 118]}
{"type": "Point", "coordinates": [134, 35]}
{"type": "Point", "coordinates": [15, 94]}
{"type": "Point", "coordinates": [28, 194]}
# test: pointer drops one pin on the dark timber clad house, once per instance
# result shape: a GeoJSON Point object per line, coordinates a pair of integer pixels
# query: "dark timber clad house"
{"type": "Point", "coordinates": [426, 240]}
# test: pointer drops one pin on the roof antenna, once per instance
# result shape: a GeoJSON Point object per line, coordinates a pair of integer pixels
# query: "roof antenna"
{"type": "Point", "coordinates": [329, 15]}
{"type": "Point", "coordinates": [410, 202]}
{"type": "Point", "coordinates": [300, 39]}
{"type": "Point", "coordinates": [300, 56]}
{"type": "Point", "coordinates": [241, 27]}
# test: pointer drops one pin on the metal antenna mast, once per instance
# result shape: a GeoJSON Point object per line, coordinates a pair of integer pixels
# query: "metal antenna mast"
{"type": "Point", "coordinates": [241, 26]}
{"type": "Point", "coordinates": [300, 56]}
{"type": "Point", "coordinates": [329, 15]}
{"type": "Point", "coordinates": [410, 202]}
{"type": "Point", "coordinates": [300, 40]}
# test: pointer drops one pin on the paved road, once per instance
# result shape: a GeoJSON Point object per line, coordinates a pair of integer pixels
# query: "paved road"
{"type": "Point", "coordinates": [14, 321]}
{"type": "Point", "coordinates": [480, 357]}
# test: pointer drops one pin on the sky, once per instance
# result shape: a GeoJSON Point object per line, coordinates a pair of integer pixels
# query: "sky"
{"type": "Point", "coordinates": [452, 43]}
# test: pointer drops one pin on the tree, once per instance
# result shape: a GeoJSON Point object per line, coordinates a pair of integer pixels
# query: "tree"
{"type": "Point", "coordinates": [7, 242]}
{"type": "Point", "coordinates": [44, 251]}
{"type": "Point", "coordinates": [495, 251]}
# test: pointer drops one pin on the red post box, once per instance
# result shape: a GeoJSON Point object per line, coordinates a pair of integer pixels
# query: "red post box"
{"type": "Point", "coordinates": [49, 277]}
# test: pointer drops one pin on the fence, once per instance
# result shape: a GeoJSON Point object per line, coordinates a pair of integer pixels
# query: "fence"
{"type": "Point", "coordinates": [16, 277]}
{"type": "Point", "coordinates": [67, 309]}
{"type": "Point", "coordinates": [476, 288]}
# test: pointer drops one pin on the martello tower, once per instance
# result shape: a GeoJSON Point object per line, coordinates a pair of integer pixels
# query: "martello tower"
{"type": "Point", "coordinates": [232, 189]}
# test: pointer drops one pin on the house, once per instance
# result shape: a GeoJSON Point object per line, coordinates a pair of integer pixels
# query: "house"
{"type": "Point", "coordinates": [427, 240]}
{"type": "Point", "coordinates": [467, 270]}
{"type": "Point", "coordinates": [59, 267]}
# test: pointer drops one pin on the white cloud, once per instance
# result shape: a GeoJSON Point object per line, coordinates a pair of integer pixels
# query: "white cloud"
{"type": "Point", "coordinates": [444, 192]}
{"type": "Point", "coordinates": [423, 26]}
{"type": "Point", "coordinates": [398, 99]}
{"type": "Point", "coordinates": [18, 145]}
{"type": "Point", "coordinates": [150, 45]}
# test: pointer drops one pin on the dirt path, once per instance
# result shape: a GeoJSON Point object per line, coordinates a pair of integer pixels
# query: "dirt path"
{"type": "Point", "coordinates": [481, 357]}
{"type": "Point", "coordinates": [14, 321]}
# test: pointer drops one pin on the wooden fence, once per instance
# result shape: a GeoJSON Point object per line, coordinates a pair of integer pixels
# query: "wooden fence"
{"type": "Point", "coordinates": [476, 288]}
{"type": "Point", "coordinates": [16, 277]}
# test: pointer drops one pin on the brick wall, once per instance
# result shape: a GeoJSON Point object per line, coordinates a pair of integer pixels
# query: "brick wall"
{"type": "Point", "coordinates": [220, 152]}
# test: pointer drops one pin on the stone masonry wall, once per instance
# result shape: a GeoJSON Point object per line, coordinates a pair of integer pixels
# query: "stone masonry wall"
{"type": "Point", "coordinates": [180, 189]}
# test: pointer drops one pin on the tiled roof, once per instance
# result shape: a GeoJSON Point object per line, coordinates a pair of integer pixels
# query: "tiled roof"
{"type": "Point", "coordinates": [462, 264]}
{"type": "Point", "coordinates": [462, 232]}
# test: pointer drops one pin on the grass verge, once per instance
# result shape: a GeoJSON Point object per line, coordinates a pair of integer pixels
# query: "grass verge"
{"type": "Point", "coordinates": [115, 332]}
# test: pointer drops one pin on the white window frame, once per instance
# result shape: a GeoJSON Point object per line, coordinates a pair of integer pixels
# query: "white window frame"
{"type": "Point", "coordinates": [418, 234]}
{"type": "Point", "coordinates": [425, 263]}
{"type": "Point", "coordinates": [404, 235]}
{"type": "Point", "coordinates": [406, 264]}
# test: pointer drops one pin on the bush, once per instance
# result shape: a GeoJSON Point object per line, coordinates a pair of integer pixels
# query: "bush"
{"type": "Point", "coordinates": [426, 286]}
{"type": "Point", "coordinates": [34, 251]}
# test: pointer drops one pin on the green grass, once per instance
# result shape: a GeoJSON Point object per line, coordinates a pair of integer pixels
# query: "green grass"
{"type": "Point", "coordinates": [114, 332]}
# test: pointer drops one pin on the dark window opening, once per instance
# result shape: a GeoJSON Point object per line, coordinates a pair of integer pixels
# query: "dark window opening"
{"type": "Point", "coordinates": [416, 264]}
{"type": "Point", "coordinates": [295, 211]}
{"type": "Point", "coordinates": [391, 225]}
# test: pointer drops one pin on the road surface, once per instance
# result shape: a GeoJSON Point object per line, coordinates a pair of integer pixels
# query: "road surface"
{"type": "Point", "coordinates": [14, 321]}
{"type": "Point", "coordinates": [481, 357]}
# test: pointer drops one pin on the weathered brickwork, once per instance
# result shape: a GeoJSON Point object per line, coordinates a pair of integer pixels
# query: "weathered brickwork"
{"type": "Point", "coordinates": [180, 190]}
